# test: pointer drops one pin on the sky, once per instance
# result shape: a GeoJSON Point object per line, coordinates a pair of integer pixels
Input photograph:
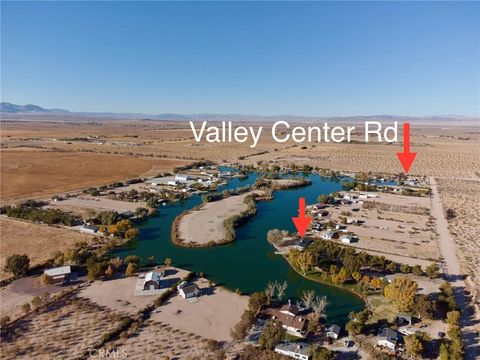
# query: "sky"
{"type": "Point", "coordinates": [265, 58]}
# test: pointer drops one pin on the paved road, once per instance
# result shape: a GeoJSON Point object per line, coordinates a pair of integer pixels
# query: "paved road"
{"type": "Point", "coordinates": [453, 274]}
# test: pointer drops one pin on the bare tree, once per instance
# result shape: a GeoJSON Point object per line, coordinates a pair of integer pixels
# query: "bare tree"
{"type": "Point", "coordinates": [281, 290]}
{"type": "Point", "coordinates": [319, 305]}
{"type": "Point", "coordinates": [308, 296]}
{"type": "Point", "coordinates": [270, 290]}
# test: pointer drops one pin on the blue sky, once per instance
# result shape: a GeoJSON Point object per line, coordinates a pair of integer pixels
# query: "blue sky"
{"type": "Point", "coordinates": [304, 58]}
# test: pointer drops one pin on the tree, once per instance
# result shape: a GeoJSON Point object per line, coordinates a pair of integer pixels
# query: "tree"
{"type": "Point", "coordinates": [116, 263]}
{"type": "Point", "coordinates": [168, 262]}
{"type": "Point", "coordinates": [432, 271]}
{"type": "Point", "coordinates": [36, 302]}
{"type": "Point", "coordinates": [402, 292]}
{"type": "Point", "coordinates": [357, 321]}
{"type": "Point", "coordinates": [132, 269]}
{"type": "Point", "coordinates": [26, 308]}
{"type": "Point", "coordinates": [131, 259]}
{"type": "Point", "coordinates": [109, 272]}
{"type": "Point", "coordinates": [18, 265]}
{"type": "Point", "coordinates": [319, 305]}
{"type": "Point", "coordinates": [44, 280]}
{"type": "Point", "coordinates": [272, 334]}
{"type": "Point", "coordinates": [417, 270]}
{"type": "Point", "coordinates": [376, 283]}
{"type": "Point", "coordinates": [95, 268]}
{"type": "Point", "coordinates": [256, 301]}
{"type": "Point", "coordinates": [308, 296]}
{"type": "Point", "coordinates": [324, 199]}
{"type": "Point", "coordinates": [131, 234]}
{"type": "Point", "coordinates": [424, 307]}
{"type": "Point", "coordinates": [270, 291]}
{"type": "Point", "coordinates": [405, 269]}
{"type": "Point", "coordinates": [356, 276]}
{"type": "Point", "coordinates": [281, 290]}
{"type": "Point", "coordinates": [321, 353]}
{"type": "Point", "coordinates": [414, 345]}
{"type": "Point", "coordinates": [274, 235]}
{"type": "Point", "coordinates": [341, 277]}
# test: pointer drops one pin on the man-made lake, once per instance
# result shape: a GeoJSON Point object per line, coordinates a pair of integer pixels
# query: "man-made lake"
{"type": "Point", "coordinates": [249, 263]}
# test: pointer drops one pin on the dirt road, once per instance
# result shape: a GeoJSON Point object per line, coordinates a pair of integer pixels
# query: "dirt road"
{"type": "Point", "coordinates": [453, 274]}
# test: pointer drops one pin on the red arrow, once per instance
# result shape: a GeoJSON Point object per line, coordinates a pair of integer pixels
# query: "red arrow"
{"type": "Point", "coordinates": [301, 221]}
{"type": "Point", "coordinates": [406, 157]}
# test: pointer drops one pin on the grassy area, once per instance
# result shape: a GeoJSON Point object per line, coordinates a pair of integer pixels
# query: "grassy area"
{"type": "Point", "coordinates": [381, 309]}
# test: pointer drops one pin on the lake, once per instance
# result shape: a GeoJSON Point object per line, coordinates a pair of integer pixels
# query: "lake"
{"type": "Point", "coordinates": [249, 263]}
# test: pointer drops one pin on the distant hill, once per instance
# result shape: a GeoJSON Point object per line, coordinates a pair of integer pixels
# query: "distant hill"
{"type": "Point", "coordinates": [35, 112]}
{"type": "Point", "coordinates": [6, 107]}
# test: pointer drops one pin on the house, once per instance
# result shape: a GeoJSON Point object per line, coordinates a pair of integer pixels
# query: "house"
{"type": "Point", "coordinates": [60, 274]}
{"type": "Point", "coordinates": [172, 182]}
{"type": "Point", "coordinates": [328, 235]}
{"type": "Point", "coordinates": [302, 244]}
{"type": "Point", "coordinates": [333, 332]}
{"type": "Point", "coordinates": [152, 281]}
{"type": "Point", "coordinates": [388, 338]}
{"type": "Point", "coordinates": [295, 350]}
{"type": "Point", "coordinates": [320, 206]}
{"type": "Point", "coordinates": [182, 177]}
{"type": "Point", "coordinates": [292, 321]}
{"type": "Point", "coordinates": [89, 229]}
{"type": "Point", "coordinates": [347, 239]}
{"type": "Point", "coordinates": [341, 228]}
{"type": "Point", "coordinates": [188, 290]}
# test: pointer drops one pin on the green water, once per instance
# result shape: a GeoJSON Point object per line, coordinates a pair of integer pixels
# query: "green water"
{"type": "Point", "coordinates": [249, 263]}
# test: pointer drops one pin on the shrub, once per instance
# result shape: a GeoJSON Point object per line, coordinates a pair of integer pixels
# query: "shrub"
{"type": "Point", "coordinates": [18, 265]}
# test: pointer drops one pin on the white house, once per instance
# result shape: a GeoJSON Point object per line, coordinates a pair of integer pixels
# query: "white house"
{"type": "Point", "coordinates": [328, 235]}
{"type": "Point", "coordinates": [172, 182]}
{"type": "Point", "coordinates": [89, 229]}
{"type": "Point", "coordinates": [151, 281]}
{"type": "Point", "coordinates": [333, 332]}
{"type": "Point", "coordinates": [347, 239]}
{"type": "Point", "coordinates": [295, 350]}
{"type": "Point", "coordinates": [182, 177]}
{"type": "Point", "coordinates": [388, 338]}
{"type": "Point", "coordinates": [188, 290]}
{"type": "Point", "coordinates": [59, 274]}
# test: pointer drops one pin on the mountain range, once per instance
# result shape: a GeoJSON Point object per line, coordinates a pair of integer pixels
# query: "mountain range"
{"type": "Point", "coordinates": [7, 108]}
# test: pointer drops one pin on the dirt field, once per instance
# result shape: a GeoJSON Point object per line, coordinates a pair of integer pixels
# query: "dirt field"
{"type": "Point", "coordinates": [206, 224]}
{"type": "Point", "coordinates": [84, 204]}
{"type": "Point", "coordinates": [463, 197]}
{"type": "Point", "coordinates": [404, 235]}
{"type": "Point", "coordinates": [29, 173]}
{"type": "Point", "coordinates": [212, 316]}
{"type": "Point", "coordinates": [117, 294]}
{"type": "Point", "coordinates": [67, 331]}
{"type": "Point", "coordinates": [37, 241]}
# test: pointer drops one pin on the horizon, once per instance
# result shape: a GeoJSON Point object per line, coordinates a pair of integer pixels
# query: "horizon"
{"type": "Point", "coordinates": [307, 59]}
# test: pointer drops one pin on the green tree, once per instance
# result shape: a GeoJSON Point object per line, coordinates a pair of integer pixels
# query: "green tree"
{"type": "Point", "coordinates": [417, 270]}
{"type": "Point", "coordinates": [256, 301]}
{"type": "Point", "coordinates": [432, 271]}
{"type": "Point", "coordinates": [272, 334]}
{"type": "Point", "coordinates": [26, 308]}
{"type": "Point", "coordinates": [424, 307]}
{"type": "Point", "coordinates": [321, 353]}
{"type": "Point", "coordinates": [404, 268]}
{"type": "Point", "coordinates": [95, 268]}
{"type": "Point", "coordinates": [131, 259]}
{"type": "Point", "coordinates": [131, 234]}
{"type": "Point", "coordinates": [17, 265]}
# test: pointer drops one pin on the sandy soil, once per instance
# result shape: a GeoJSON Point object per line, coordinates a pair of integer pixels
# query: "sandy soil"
{"type": "Point", "coordinates": [37, 241]}
{"type": "Point", "coordinates": [463, 197]}
{"type": "Point", "coordinates": [31, 172]}
{"type": "Point", "coordinates": [405, 234]}
{"type": "Point", "coordinates": [206, 224]}
{"type": "Point", "coordinates": [84, 203]}
{"type": "Point", "coordinates": [67, 330]}
{"type": "Point", "coordinates": [212, 316]}
{"type": "Point", "coordinates": [117, 294]}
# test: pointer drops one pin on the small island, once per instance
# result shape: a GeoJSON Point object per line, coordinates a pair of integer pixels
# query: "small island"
{"type": "Point", "coordinates": [214, 223]}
